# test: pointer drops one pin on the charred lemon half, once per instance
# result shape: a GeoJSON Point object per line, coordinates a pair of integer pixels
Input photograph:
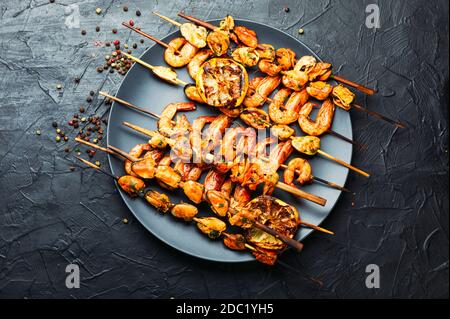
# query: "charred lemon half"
{"type": "Point", "coordinates": [275, 214]}
{"type": "Point", "coordinates": [222, 82]}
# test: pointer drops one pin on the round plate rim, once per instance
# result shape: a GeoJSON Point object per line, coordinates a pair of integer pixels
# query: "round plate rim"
{"type": "Point", "coordinates": [126, 198]}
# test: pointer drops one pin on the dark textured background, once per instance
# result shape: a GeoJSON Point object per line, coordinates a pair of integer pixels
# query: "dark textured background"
{"type": "Point", "coordinates": [399, 219]}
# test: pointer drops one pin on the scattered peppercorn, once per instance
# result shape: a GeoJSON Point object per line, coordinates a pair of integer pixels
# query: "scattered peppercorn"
{"type": "Point", "coordinates": [301, 31]}
{"type": "Point", "coordinates": [83, 32]}
{"type": "Point", "coordinates": [59, 86]}
{"type": "Point", "coordinates": [72, 168]}
{"type": "Point", "coordinates": [38, 132]}
{"type": "Point", "coordinates": [286, 9]}
{"type": "Point", "coordinates": [98, 10]}
{"type": "Point", "coordinates": [55, 124]}
{"type": "Point", "coordinates": [83, 119]}
{"type": "Point", "coordinates": [81, 109]}
{"type": "Point", "coordinates": [52, 1]}
{"type": "Point", "coordinates": [142, 41]}
{"type": "Point", "coordinates": [67, 149]}
{"type": "Point", "coordinates": [77, 79]}
{"type": "Point", "coordinates": [99, 69]}
{"type": "Point", "coordinates": [134, 45]}
{"type": "Point", "coordinates": [95, 141]}
{"type": "Point", "coordinates": [58, 138]}
{"type": "Point", "coordinates": [97, 163]}
{"type": "Point", "coordinates": [58, 130]}
{"type": "Point", "coordinates": [97, 28]}
{"type": "Point", "coordinates": [125, 8]}
{"type": "Point", "coordinates": [125, 46]}
{"type": "Point", "coordinates": [125, 221]}
{"type": "Point", "coordinates": [89, 99]}
{"type": "Point", "coordinates": [114, 30]}
{"type": "Point", "coordinates": [107, 43]}
{"type": "Point", "coordinates": [66, 138]}
{"type": "Point", "coordinates": [91, 93]}
{"type": "Point", "coordinates": [138, 13]}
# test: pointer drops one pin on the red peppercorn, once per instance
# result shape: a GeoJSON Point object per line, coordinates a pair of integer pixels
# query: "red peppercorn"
{"type": "Point", "coordinates": [70, 123]}
{"type": "Point", "coordinates": [131, 22]}
{"type": "Point", "coordinates": [116, 42]}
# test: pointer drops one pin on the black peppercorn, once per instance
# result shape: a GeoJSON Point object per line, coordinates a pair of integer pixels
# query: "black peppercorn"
{"type": "Point", "coordinates": [138, 13]}
{"type": "Point", "coordinates": [55, 124]}
{"type": "Point", "coordinates": [97, 28]}
{"type": "Point", "coordinates": [83, 32]}
{"type": "Point", "coordinates": [89, 99]}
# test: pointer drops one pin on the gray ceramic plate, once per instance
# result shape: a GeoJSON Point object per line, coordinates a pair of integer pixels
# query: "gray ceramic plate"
{"type": "Point", "coordinates": [141, 88]}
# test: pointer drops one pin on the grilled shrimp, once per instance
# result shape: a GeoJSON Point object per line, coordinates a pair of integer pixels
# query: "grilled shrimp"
{"type": "Point", "coordinates": [319, 90]}
{"type": "Point", "coordinates": [246, 36]}
{"type": "Point", "coordinates": [137, 152]}
{"type": "Point", "coordinates": [256, 118]}
{"type": "Point", "coordinates": [213, 180]}
{"type": "Point", "coordinates": [185, 49]}
{"type": "Point", "coordinates": [196, 62]}
{"type": "Point", "coordinates": [279, 155]}
{"type": "Point", "coordinates": [323, 120]}
{"type": "Point", "coordinates": [166, 125]}
{"type": "Point", "coordinates": [196, 136]}
{"type": "Point", "coordinates": [227, 188]}
{"type": "Point", "coordinates": [264, 88]}
{"type": "Point", "coordinates": [215, 131]}
{"type": "Point", "coordinates": [285, 60]}
{"type": "Point", "coordinates": [287, 113]}
{"type": "Point", "coordinates": [192, 94]}
{"type": "Point", "coordinates": [301, 165]}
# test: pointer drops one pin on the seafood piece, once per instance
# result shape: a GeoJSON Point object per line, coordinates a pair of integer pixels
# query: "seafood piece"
{"type": "Point", "coordinates": [323, 120]}
{"type": "Point", "coordinates": [145, 168]}
{"type": "Point", "coordinates": [211, 226]}
{"type": "Point", "coordinates": [282, 132]}
{"type": "Point", "coordinates": [234, 241]}
{"type": "Point", "coordinates": [295, 80]}
{"type": "Point", "coordinates": [197, 61]}
{"type": "Point", "coordinates": [308, 145]}
{"type": "Point", "coordinates": [298, 165]}
{"type": "Point", "coordinates": [137, 152]}
{"type": "Point", "coordinates": [167, 126]}
{"type": "Point", "coordinates": [131, 185]}
{"type": "Point", "coordinates": [158, 200]}
{"type": "Point", "coordinates": [195, 35]}
{"type": "Point", "coordinates": [286, 113]}
{"type": "Point", "coordinates": [247, 56]}
{"type": "Point", "coordinates": [269, 67]}
{"type": "Point", "coordinates": [319, 90]}
{"type": "Point", "coordinates": [320, 71]}
{"type": "Point", "coordinates": [219, 203]}
{"type": "Point", "coordinates": [227, 23]}
{"type": "Point", "coordinates": [285, 58]}
{"type": "Point", "coordinates": [264, 87]}
{"type": "Point", "coordinates": [185, 49]}
{"type": "Point", "coordinates": [196, 137]}
{"type": "Point", "coordinates": [343, 97]}
{"type": "Point", "coordinates": [194, 191]}
{"type": "Point", "coordinates": [256, 118]}
{"type": "Point", "coordinates": [167, 177]}
{"type": "Point", "coordinates": [246, 36]}
{"type": "Point", "coordinates": [305, 63]}
{"type": "Point", "coordinates": [184, 211]}
{"type": "Point", "coordinates": [214, 133]}
{"type": "Point", "coordinates": [218, 41]}
{"type": "Point", "coordinates": [266, 51]}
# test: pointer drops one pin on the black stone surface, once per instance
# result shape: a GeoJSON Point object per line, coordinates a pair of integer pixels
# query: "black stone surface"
{"type": "Point", "coordinates": [398, 219]}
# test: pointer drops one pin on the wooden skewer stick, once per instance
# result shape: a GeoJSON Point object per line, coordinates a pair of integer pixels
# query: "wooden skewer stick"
{"type": "Point", "coordinates": [148, 36]}
{"type": "Point", "coordinates": [96, 167]}
{"type": "Point", "coordinates": [176, 23]}
{"type": "Point", "coordinates": [315, 227]}
{"type": "Point", "coordinates": [337, 160]}
{"type": "Point", "coordinates": [153, 69]}
{"type": "Point", "coordinates": [355, 85]}
{"type": "Point", "coordinates": [197, 21]}
{"type": "Point", "coordinates": [132, 106]}
{"type": "Point", "coordinates": [377, 115]}
{"type": "Point", "coordinates": [110, 150]}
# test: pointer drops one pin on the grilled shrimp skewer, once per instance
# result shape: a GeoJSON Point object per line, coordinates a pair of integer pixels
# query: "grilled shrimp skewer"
{"type": "Point", "coordinates": [196, 137]}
